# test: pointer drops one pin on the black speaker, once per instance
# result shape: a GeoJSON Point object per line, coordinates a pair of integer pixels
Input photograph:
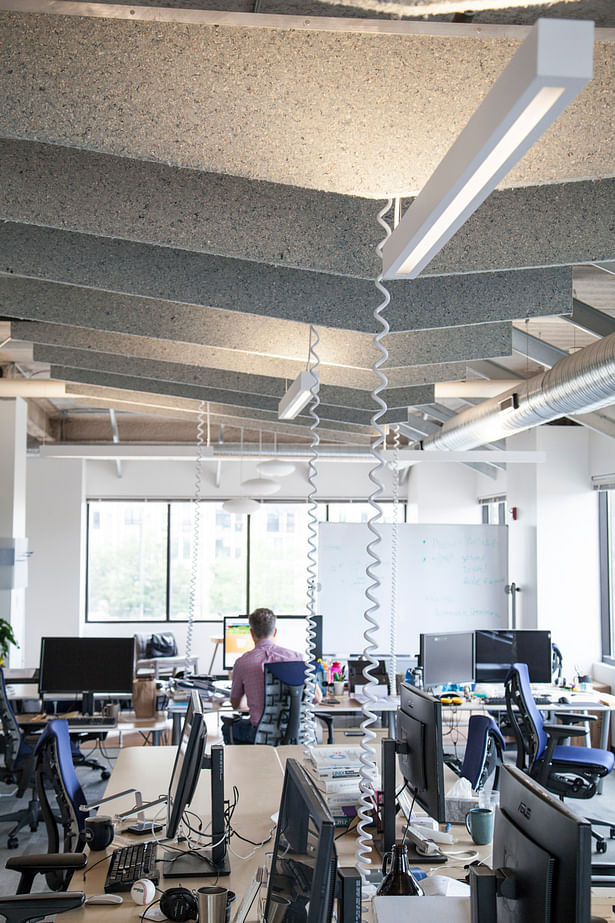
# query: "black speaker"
{"type": "Point", "coordinates": [98, 832]}
{"type": "Point", "coordinates": [179, 904]}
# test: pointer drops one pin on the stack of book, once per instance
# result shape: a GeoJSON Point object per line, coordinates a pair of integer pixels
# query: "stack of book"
{"type": "Point", "coordinates": [336, 771]}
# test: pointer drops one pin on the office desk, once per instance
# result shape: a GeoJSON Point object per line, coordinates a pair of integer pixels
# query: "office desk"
{"type": "Point", "coordinates": [126, 724]}
{"type": "Point", "coordinates": [349, 705]}
{"type": "Point", "coordinates": [257, 773]}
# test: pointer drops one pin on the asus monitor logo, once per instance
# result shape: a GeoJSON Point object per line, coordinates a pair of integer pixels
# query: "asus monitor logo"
{"type": "Point", "coordinates": [525, 810]}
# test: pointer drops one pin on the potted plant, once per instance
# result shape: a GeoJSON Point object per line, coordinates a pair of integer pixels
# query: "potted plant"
{"type": "Point", "coordinates": [7, 638]}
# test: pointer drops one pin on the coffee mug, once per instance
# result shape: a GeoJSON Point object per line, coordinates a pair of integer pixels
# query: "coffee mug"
{"type": "Point", "coordinates": [479, 824]}
{"type": "Point", "coordinates": [98, 832]}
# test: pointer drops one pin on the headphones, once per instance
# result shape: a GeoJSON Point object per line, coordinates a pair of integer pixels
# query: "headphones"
{"type": "Point", "coordinates": [179, 905]}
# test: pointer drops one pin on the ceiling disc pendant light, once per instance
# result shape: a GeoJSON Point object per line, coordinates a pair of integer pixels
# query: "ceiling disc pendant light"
{"type": "Point", "coordinates": [261, 487]}
{"type": "Point", "coordinates": [275, 467]}
{"type": "Point", "coordinates": [240, 505]}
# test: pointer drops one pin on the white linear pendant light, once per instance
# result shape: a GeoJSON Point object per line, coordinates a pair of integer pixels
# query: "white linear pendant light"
{"type": "Point", "coordinates": [298, 395]}
{"type": "Point", "coordinates": [550, 68]}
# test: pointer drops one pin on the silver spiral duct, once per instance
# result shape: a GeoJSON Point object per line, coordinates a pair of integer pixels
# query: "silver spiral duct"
{"type": "Point", "coordinates": [580, 383]}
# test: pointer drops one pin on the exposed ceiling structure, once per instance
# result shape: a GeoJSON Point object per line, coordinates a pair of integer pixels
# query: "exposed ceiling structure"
{"type": "Point", "coordinates": [185, 191]}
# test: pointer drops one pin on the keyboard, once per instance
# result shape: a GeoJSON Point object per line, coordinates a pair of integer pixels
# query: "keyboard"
{"type": "Point", "coordinates": [91, 721]}
{"type": "Point", "coordinates": [501, 700]}
{"type": "Point", "coordinates": [129, 863]}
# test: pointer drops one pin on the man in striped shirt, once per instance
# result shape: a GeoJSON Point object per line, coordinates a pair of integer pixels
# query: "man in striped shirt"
{"type": "Point", "coordinates": [248, 679]}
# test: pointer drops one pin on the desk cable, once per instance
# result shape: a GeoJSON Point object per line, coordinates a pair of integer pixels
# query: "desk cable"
{"type": "Point", "coordinates": [369, 768]}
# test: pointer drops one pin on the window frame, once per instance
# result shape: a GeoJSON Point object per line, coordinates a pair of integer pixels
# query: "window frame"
{"type": "Point", "coordinates": [403, 506]}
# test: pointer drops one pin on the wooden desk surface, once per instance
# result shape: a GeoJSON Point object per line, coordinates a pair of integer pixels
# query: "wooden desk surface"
{"type": "Point", "coordinates": [257, 773]}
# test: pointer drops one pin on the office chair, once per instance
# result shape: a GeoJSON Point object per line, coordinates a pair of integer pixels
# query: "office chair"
{"type": "Point", "coordinates": [54, 772]}
{"type": "Point", "coordinates": [25, 906]}
{"type": "Point", "coordinates": [19, 768]}
{"type": "Point", "coordinates": [483, 755]}
{"type": "Point", "coordinates": [284, 705]}
{"type": "Point", "coordinates": [557, 662]}
{"type": "Point", "coordinates": [561, 769]}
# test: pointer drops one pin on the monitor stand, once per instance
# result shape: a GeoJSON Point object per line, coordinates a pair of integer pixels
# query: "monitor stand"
{"type": "Point", "coordinates": [206, 862]}
{"type": "Point", "coordinates": [87, 703]}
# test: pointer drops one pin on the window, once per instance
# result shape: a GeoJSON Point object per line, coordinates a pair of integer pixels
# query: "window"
{"type": "Point", "coordinates": [493, 511]}
{"type": "Point", "coordinates": [606, 520]}
{"type": "Point", "coordinates": [127, 555]}
{"type": "Point", "coordinates": [140, 558]}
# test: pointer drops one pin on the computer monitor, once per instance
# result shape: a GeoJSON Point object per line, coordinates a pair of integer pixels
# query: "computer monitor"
{"type": "Point", "coordinates": [356, 665]}
{"type": "Point", "coordinates": [419, 747]}
{"type": "Point", "coordinates": [291, 633]}
{"type": "Point", "coordinates": [544, 852]}
{"type": "Point", "coordinates": [447, 658]}
{"type": "Point", "coordinates": [303, 868]}
{"type": "Point", "coordinates": [190, 759]}
{"type": "Point", "coordinates": [495, 651]}
{"type": "Point", "coordinates": [187, 765]}
{"type": "Point", "coordinates": [85, 666]}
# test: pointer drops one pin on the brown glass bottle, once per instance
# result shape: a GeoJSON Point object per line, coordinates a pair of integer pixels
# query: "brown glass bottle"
{"type": "Point", "coordinates": [399, 879]}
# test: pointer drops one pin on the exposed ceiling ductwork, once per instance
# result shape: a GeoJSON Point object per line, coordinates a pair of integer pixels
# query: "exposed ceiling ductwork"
{"type": "Point", "coordinates": [580, 383]}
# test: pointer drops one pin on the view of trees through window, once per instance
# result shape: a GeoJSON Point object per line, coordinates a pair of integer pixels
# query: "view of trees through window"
{"type": "Point", "coordinates": [140, 558]}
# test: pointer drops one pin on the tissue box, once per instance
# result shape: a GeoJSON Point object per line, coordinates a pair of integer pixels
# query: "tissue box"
{"type": "Point", "coordinates": [457, 808]}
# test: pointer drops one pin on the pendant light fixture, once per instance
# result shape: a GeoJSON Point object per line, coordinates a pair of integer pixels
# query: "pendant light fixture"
{"type": "Point", "coordinates": [275, 467]}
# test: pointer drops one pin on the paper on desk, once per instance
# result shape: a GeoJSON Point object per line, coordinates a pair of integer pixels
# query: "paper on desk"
{"type": "Point", "coordinates": [444, 886]}
{"type": "Point", "coordinates": [379, 692]}
{"type": "Point", "coordinates": [431, 909]}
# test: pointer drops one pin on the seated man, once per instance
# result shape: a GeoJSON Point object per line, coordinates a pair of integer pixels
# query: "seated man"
{"type": "Point", "coordinates": [248, 677]}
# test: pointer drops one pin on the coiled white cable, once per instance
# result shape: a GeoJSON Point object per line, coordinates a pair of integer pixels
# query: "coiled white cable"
{"type": "Point", "coordinates": [368, 756]}
{"type": "Point", "coordinates": [308, 724]}
{"type": "Point", "coordinates": [196, 528]}
{"type": "Point", "coordinates": [394, 549]}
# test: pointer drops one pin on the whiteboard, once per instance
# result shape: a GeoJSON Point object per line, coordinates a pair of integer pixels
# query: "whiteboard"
{"type": "Point", "coordinates": [449, 578]}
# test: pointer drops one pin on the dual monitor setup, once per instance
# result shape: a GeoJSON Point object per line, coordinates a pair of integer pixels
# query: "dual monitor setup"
{"type": "Point", "coordinates": [541, 851]}
{"type": "Point", "coordinates": [484, 656]}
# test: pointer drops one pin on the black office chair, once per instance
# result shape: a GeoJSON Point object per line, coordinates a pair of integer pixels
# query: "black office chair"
{"type": "Point", "coordinates": [25, 906]}
{"type": "Point", "coordinates": [54, 772]}
{"type": "Point", "coordinates": [18, 768]}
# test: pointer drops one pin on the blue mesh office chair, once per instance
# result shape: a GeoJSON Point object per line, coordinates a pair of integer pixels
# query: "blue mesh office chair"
{"type": "Point", "coordinates": [483, 755]}
{"type": "Point", "coordinates": [562, 769]}
{"type": "Point", "coordinates": [54, 772]}
{"type": "Point", "coordinates": [19, 768]}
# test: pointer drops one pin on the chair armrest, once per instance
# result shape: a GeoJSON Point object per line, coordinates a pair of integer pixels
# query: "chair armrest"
{"type": "Point", "coordinates": [564, 730]}
{"type": "Point", "coordinates": [23, 907]}
{"type": "Point", "coordinates": [48, 862]}
{"type": "Point", "coordinates": [39, 864]}
{"type": "Point", "coordinates": [575, 717]}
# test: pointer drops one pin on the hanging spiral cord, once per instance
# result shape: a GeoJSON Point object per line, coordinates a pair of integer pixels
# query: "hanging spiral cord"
{"type": "Point", "coordinates": [369, 768]}
{"type": "Point", "coordinates": [394, 549]}
{"type": "Point", "coordinates": [203, 420]}
{"type": "Point", "coordinates": [308, 724]}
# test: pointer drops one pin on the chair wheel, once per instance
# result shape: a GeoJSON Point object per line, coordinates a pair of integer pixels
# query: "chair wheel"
{"type": "Point", "coordinates": [612, 833]}
{"type": "Point", "coordinates": [34, 826]}
{"type": "Point", "coordinates": [601, 846]}
{"type": "Point", "coordinates": [105, 774]}
{"type": "Point", "coordinates": [12, 842]}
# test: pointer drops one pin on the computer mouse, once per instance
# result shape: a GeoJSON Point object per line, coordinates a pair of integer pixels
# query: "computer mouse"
{"type": "Point", "coordinates": [564, 700]}
{"type": "Point", "coordinates": [105, 899]}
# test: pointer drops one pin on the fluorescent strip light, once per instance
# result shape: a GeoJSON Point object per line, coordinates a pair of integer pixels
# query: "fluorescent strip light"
{"type": "Point", "coordinates": [550, 68]}
{"type": "Point", "coordinates": [298, 395]}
